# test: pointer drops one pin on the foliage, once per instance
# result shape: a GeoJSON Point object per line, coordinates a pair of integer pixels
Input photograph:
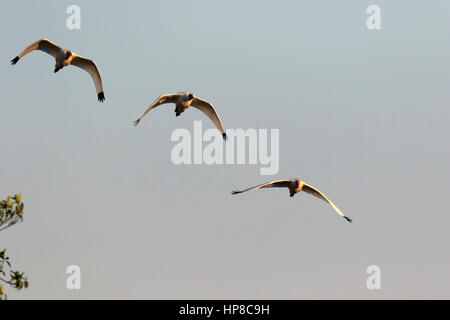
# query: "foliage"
{"type": "Point", "coordinates": [16, 279]}
{"type": "Point", "coordinates": [11, 212]}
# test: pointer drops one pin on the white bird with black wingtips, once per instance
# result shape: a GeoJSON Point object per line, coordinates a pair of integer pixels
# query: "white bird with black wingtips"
{"type": "Point", "coordinates": [65, 58]}
{"type": "Point", "coordinates": [295, 186]}
{"type": "Point", "coordinates": [184, 100]}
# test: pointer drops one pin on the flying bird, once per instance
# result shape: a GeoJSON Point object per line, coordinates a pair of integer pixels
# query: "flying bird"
{"type": "Point", "coordinates": [184, 100]}
{"type": "Point", "coordinates": [295, 186]}
{"type": "Point", "coordinates": [63, 58]}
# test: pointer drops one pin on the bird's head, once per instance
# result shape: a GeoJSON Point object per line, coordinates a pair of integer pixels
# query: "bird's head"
{"type": "Point", "coordinates": [68, 55]}
{"type": "Point", "coordinates": [297, 182]}
{"type": "Point", "coordinates": [190, 96]}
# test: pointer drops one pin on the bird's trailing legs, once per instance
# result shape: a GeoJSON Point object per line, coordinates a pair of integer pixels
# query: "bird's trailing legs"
{"type": "Point", "coordinates": [179, 111]}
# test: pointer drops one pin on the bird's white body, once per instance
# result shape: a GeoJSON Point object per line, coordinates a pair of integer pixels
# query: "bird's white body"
{"type": "Point", "coordinates": [295, 186]}
{"type": "Point", "coordinates": [64, 58]}
{"type": "Point", "coordinates": [62, 62]}
{"type": "Point", "coordinates": [184, 100]}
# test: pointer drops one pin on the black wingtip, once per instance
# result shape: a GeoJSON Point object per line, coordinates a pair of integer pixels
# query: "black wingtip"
{"type": "Point", "coordinates": [348, 219]}
{"type": "Point", "coordinates": [14, 61]}
{"type": "Point", "coordinates": [224, 135]}
{"type": "Point", "coordinates": [101, 97]}
{"type": "Point", "coordinates": [235, 192]}
{"type": "Point", "coordinates": [136, 122]}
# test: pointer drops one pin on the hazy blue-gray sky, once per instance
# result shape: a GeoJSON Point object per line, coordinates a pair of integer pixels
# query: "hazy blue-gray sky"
{"type": "Point", "coordinates": [363, 115]}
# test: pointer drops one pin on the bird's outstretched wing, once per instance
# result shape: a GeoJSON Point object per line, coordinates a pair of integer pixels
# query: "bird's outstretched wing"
{"type": "Point", "coordinates": [90, 67]}
{"type": "Point", "coordinates": [42, 45]}
{"type": "Point", "coordinates": [272, 184]}
{"type": "Point", "coordinates": [311, 190]}
{"type": "Point", "coordinates": [165, 98]}
{"type": "Point", "coordinates": [208, 109]}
